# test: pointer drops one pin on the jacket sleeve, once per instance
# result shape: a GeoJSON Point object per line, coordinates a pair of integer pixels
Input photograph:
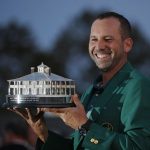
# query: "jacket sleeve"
{"type": "Point", "coordinates": [135, 116]}
{"type": "Point", "coordinates": [55, 142]}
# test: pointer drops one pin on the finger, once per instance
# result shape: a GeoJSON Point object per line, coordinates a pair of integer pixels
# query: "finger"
{"type": "Point", "coordinates": [11, 109]}
{"type": "Point", "coordinates": [76, 100]}
{"type": "Point", "coordinates": [61, 115]}
{"type": "Point", "coordinates": [38, 110]}
{"type": "Point", "coordinates": [21, 112]}
{"type": "Point", "coordinates": [58, 114]}
{"type": "Point", "coordinates": [54, 110]}
{"type": "Point", "coordinates": [29, 113]}
{"type": "Point", "coordinates": [39, 115]}
{"type": "Point", "coordinates": [45, 109]}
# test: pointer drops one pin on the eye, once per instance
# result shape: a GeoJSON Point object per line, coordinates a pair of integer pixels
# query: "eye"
{"type": "Point", "coordinates": [93, 39]}
{"type": "Point", "coordinates": [109, 39]}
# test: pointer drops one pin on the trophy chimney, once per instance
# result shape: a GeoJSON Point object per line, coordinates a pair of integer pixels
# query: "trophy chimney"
{"type": "Point", "coordinates": [32, 69]}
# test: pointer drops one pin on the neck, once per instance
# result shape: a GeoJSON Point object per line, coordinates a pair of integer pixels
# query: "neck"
{"type": "Point", "coordinates": [106, 76]}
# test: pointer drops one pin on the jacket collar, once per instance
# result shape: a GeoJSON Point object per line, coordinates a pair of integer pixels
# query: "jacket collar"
{"type": "Point", "coordinates": [115, 82]}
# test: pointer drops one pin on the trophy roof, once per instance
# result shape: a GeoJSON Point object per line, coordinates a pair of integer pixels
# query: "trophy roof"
{"type": "Point", "coordinates": [38, 76]}
{"type": "Point", "coordinates": [42, 65]}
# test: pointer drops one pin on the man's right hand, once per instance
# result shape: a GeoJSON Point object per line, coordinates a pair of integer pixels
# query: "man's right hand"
{"type": "Point", "coordinates": [35, 119]}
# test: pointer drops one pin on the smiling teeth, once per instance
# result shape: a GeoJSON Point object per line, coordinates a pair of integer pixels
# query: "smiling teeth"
{"type": "Point", "coordinates": [101, 55]}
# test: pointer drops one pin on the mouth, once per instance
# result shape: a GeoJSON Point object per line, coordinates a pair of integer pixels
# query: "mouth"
{"type": "Point", "coordinates": [102, 55]}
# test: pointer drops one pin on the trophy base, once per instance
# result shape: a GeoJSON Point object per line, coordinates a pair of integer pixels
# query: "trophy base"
{"type": "Point", "coordinates": [23, 101]}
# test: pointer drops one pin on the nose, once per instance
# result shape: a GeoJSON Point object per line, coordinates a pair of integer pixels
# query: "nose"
{"type": "Point", "coordinates": [100, 45]}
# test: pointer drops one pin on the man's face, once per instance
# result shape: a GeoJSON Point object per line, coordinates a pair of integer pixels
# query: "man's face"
{"type": "Point", "coordinates": [106, 46]}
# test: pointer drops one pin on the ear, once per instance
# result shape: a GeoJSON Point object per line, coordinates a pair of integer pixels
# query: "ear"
{"type": "Point", "coordinates": [128, 43]}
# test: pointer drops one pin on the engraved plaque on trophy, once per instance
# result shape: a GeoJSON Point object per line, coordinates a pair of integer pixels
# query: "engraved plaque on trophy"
{"type": "Point", "coordinates": [40, 89]}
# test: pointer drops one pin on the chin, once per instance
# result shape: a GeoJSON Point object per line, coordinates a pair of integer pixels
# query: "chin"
{"type": "Point", "coordinates": [105, 68]}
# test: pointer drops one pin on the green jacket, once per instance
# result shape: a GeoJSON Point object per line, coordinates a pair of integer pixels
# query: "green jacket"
{"type": "Point", "coordinates": [120, 114]}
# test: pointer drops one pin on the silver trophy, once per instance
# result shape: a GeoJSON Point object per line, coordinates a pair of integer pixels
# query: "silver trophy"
{"type": "Point", "coordinates": [40, 89]}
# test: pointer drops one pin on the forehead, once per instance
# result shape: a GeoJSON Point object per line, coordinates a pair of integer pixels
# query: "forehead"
{"type": "Point", "coordinates": [108, 25]}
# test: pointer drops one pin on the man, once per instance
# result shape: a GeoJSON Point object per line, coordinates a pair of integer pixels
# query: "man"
{"type": "Point", "coordinates": [115, 109]}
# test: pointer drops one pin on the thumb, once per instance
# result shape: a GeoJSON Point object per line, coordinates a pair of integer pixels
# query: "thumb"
{"type": "Point", "coordinates": [76, 100]}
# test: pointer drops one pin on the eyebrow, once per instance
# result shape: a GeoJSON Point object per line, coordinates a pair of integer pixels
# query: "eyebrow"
{"type": "Point", "coordinates": [92, 36]}
{"type": "Point", "coordinates": [106, 36]}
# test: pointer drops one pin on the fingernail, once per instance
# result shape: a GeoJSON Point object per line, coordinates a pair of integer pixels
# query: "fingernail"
{"type": "Point", "coordinates": [76, 95]}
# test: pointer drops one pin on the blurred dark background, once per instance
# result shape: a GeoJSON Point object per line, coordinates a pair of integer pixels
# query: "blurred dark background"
{"type": "Point", "coordinates": [67, 56]}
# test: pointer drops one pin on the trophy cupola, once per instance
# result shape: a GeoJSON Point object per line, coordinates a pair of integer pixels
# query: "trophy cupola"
{"type": "Point", "coordinates": [44, 69]}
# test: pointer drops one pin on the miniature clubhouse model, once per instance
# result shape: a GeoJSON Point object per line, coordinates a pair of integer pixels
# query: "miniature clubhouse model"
{"type": "Point", "coordinates": [40, 89]}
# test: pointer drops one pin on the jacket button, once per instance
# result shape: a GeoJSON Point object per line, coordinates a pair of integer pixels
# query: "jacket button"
{"type": "Point", "coordinates": [92, 140]}
{"type": "Point", "coordinates": [96, 142]}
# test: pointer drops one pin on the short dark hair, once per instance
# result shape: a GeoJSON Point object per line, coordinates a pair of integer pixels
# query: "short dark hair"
{"type": "Point", "coordinates": [126, 30]}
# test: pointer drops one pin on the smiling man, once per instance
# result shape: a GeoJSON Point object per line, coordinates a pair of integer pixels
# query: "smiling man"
{"type": "Point", "coordinates": [110, 42]}
{"type": "Point", "coordinates": [106, 46]}
{"type": "Point", "coordinates": [114, 112]}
